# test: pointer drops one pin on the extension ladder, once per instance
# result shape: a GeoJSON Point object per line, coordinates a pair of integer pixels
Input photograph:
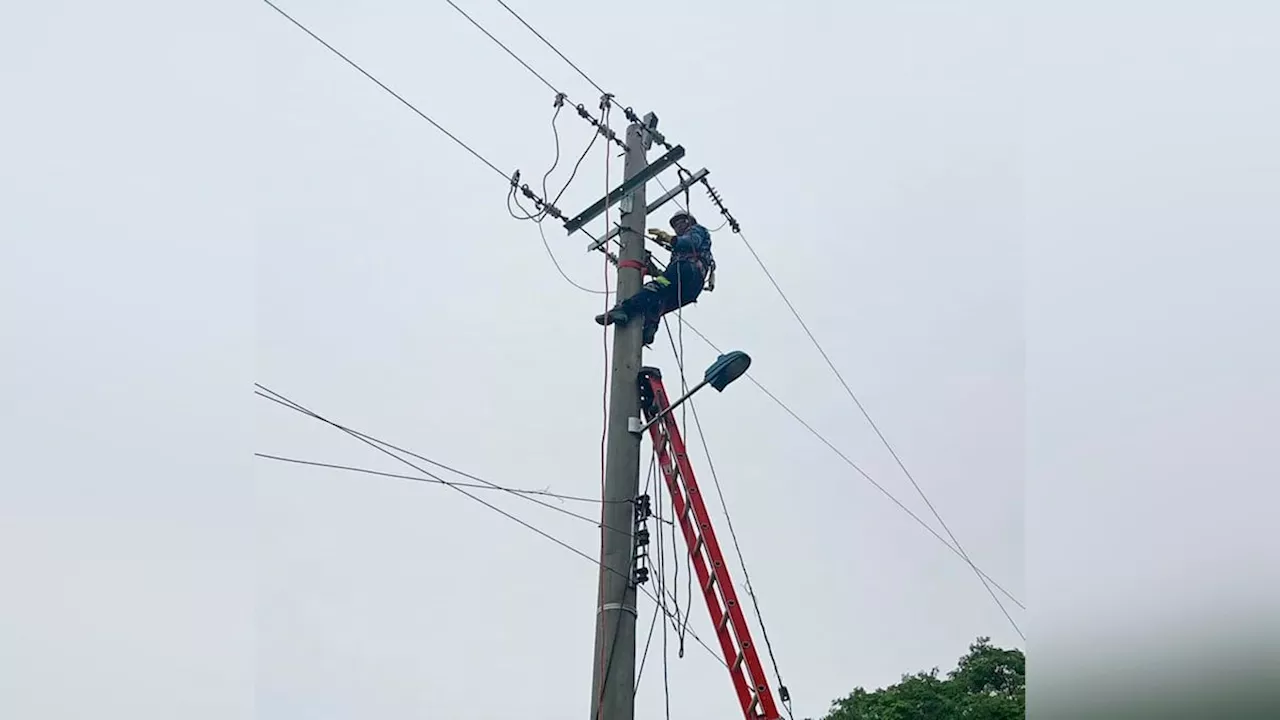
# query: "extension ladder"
{"type": "Point", "coordinates": [730, 625]}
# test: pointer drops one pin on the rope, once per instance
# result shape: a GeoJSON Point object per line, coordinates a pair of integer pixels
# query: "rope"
{"type": "Point", "coordinates": [604, 435]}
{"type": "Point", "coordinates": [733, 535]}
{"type": "Point", "coordinates": [653, 623]}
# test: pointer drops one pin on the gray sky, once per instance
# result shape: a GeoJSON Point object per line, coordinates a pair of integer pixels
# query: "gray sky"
{"type": "Point", "coordinates": [340, 250]}
{"type": "Point", "coordinates": [396, 294]}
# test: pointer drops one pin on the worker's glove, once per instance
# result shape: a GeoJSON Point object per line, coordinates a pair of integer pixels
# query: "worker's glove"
{"type": "Point", "coordinates": [661, 236]}
{"type": "Point", "coordinates": [650, 267]}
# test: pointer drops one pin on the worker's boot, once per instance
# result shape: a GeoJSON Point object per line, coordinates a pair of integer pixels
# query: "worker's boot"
{"type": "Point", "coordinates": [650, 333]}
{"type": "Point", "coordinates": [615, 315]}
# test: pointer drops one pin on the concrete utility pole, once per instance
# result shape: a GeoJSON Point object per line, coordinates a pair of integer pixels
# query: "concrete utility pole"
{"type": "Point", "coordinates": [613, 685]}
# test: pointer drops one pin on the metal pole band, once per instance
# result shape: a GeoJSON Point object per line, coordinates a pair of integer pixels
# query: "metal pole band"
{"type": "Point", "coordinates": [618, 606]}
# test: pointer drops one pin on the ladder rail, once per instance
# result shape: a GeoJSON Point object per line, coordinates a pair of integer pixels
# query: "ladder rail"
{"type": "Point", "coordinates": [740, 655]}
{"type": "Point", "coordinates": [706, 580]}
{"type": "Point", "coordinates": [727, 589]}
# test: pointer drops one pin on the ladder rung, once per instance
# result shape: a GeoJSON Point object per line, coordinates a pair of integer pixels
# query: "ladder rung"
{"type": "Point", "coordinates": [711, 582]}
{"type": "Point", "coordinates": [755, 703]}
{"type": "Point", "coordinates": [697, 546]}
{"type": "Point", "coordinates": [724, 622]}
{"type": "Point", "coordinates": [738, 663]}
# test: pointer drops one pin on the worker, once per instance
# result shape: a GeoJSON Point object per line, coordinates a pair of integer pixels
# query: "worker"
{"type": "Point", "coordinates": [690, 268]}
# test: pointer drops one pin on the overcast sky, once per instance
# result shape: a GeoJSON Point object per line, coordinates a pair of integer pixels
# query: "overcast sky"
{"type": "Point", "coordinates": [875, 156]}
{"type": "Point", "coordinates": [396, 294]}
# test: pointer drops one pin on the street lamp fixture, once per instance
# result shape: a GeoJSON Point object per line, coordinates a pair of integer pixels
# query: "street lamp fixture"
{"type": "Point", "coordinates": [727, 368]}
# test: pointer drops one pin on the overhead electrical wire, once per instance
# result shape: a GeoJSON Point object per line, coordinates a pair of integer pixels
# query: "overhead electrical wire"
{"type": "Point", "coordinates": [553, 48]}
{"type": "Point", "coordinates": [382, 445]}
{"type": "Point", "coordinates": [526, 65]}
{"type": "Point", "coordinates": [543, 210]}
{"type": "Point", "coordinates": [393, 93]}
{"type": "Point", "coordinates": [538, 217]}
{"type": "Point", "coordinates": [282, 400]}
{"type": "Point", "coordinates": [831, 446]}
{"type": "Point", "coordinates": [400, 476]}
{"type": "Point", "coordinates": [884, 441]}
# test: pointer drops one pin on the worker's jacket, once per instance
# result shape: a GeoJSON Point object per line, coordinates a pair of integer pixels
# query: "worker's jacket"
{"type": "Point", "coordinates": [694, 246]}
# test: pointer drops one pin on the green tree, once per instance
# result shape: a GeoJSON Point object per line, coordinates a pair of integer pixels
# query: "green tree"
{"type": "Point", "coordinates": [989, 683]}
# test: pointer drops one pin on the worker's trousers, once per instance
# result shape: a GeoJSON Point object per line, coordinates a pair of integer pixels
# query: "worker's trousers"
{"type": "Point", "coordinates": [678, 286]}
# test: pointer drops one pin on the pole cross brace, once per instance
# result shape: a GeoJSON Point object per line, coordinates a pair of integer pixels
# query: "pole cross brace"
{"type": "Point", "coordinates": [648, 173]}
{"type": "Point", "coordinates": [685, 184]}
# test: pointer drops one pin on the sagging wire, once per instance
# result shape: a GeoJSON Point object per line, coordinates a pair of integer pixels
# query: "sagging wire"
{"type": "Point", "coordinates": [857, 468]}
{"type": "Point", "coordinates": [387, 448]}
{"type": "Point", "coordinates": [474, 486]}
{"type": "Point", "coordinates": [538, 216]}
{"type": "Point", "coordinates": [604, 433]}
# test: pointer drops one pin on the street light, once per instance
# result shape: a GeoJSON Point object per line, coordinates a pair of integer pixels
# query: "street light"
{"type": "Point", "coordinates": [727, 368]}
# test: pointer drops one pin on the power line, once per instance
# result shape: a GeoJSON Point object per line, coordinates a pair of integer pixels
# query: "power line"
{"type": "Point", "coordinates": [874, 426]}
{"type": "Point", "coordinates": [553, 48]}
{"type": "Point", "coordinates": [539, 217]}
{"type": "Point", "coordinates": [393, 93]}
{"type": "Point", "coordinates": [378, 444]}
{"type": "Point", "coordinates": [831, 446]}
{"type": "Point", "coordinates": [526, 65]}
{"type": "Point", "coordinates": [399, 476]}
{"type": "Point", "coordinates": [606, 100]}
{"type": "Point", "coordinates": [373, 442]}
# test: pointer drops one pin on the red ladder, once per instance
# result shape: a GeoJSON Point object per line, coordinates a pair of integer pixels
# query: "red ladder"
{"type": "Point", "coordinates": [740, 655]}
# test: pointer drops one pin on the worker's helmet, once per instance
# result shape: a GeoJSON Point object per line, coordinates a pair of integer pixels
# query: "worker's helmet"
{"type": "Point", "coordinates": [683, 218]}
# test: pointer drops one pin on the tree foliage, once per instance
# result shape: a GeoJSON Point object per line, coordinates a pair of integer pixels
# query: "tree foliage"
{"type": "Point", "coordinates": [989, 683]}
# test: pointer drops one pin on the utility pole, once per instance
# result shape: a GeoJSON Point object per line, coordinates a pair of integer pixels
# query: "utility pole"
{"type": "Point", "coordinates": [614, 661]}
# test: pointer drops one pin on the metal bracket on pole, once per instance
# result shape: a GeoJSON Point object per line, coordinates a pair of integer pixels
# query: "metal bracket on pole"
{"type": "Point", "coordinates": [653, 206]}
{"type": "Point", "coordinates": [650, 125]}
{"type": "Point", "coordinates": [648, 173]}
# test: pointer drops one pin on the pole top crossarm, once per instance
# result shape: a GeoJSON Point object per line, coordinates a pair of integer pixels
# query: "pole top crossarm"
{"type": "Point", "coordinates": [653, 207]}
{"type": "Point", "coordinates": [646, 174]}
